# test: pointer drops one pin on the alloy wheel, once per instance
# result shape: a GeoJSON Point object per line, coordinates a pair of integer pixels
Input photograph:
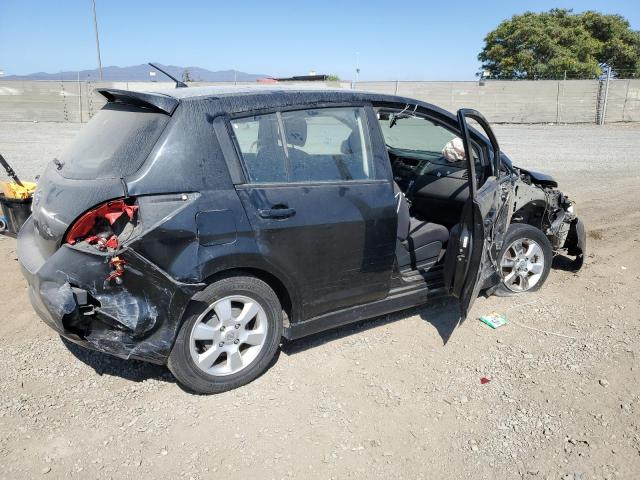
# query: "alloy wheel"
{"type": "Point", "coordinates": [228, 335]}
{"type": "Point", "coordinates": [522, 265]}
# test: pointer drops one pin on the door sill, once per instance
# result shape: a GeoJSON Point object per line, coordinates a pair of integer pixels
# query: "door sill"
{"type": "Point", "coordinates": [399, 298]}
{"type": "Point", "coordinates": [422, 269]}
{"type": "Point", "coordinates": [427, 272]}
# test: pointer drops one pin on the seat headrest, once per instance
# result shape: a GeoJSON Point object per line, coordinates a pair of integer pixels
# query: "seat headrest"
{"type": "Point", "coordinates": [296, 130]}
{"type": "Point", "coordinates": [352, 145]}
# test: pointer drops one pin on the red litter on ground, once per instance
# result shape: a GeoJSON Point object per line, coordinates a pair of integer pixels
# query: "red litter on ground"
{"type": "Point", "coordinates": [484, 380]}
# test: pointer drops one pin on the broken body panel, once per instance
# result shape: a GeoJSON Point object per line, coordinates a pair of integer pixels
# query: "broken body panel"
{"type": "Point", "coordinates": [537, 202]}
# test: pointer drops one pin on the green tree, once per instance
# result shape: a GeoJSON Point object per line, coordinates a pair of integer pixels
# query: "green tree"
{"type": "Point", "coordinates": [186, 76]}
{"type": "Point", "coordinates": [548, 44]}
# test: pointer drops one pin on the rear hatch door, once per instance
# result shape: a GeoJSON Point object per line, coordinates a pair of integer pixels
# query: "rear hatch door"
{"type": "Point", "coordinates": [94, 167]}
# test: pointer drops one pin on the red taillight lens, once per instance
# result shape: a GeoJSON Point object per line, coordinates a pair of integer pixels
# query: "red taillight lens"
{"type": "Point", "coordinates": [101, 218]}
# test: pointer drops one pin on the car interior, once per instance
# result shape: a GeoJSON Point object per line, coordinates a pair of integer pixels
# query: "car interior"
{"type": "Point", "coordinates": [431, 187]}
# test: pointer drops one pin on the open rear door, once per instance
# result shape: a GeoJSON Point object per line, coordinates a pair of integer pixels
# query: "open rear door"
{"type": "Point", "coordinates": [471, 263]}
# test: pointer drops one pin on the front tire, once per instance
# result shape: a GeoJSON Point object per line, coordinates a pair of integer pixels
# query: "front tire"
{"type": "Point", "coordinates": [230, 335]}
{"type": "Point", "coordinates": [524, 261]}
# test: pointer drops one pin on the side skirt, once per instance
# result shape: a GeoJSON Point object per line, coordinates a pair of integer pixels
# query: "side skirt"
{"type": "Point", "coordinates": [398, 299]}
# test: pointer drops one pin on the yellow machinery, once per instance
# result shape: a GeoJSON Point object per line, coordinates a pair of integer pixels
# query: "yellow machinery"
{"type": "Point", "coordinates": [14, 190]}
{"type": "Point", "coordinates": [15, 201]}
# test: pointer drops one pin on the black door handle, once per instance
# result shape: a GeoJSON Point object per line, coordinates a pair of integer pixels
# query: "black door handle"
{"type": "Point", "coordinates": [278, 213]}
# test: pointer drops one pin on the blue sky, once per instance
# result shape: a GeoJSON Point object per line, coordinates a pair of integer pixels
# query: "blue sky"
{"type": "Point", "coordinates": [405, 40]}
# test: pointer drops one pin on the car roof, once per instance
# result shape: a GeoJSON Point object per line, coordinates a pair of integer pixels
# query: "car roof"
{"type": "Point", "coordinates": [240, 98]}
{"type": "Point", "coordinates": [235, 90]}
{"type": "Point", "coordinates": [247, 97]}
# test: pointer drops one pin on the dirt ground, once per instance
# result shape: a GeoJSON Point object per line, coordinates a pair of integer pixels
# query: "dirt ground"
{"type": "Point", "coordinates": [393, 397]}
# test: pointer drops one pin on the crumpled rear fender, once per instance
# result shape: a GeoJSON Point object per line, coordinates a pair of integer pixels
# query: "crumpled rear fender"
{"type": "Point", "coordinates": [136, 319]}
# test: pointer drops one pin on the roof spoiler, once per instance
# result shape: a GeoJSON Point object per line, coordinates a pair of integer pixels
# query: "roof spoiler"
{"type": "Point", "coordinates": [155, 101]}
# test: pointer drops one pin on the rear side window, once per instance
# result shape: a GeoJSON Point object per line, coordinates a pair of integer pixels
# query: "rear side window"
{"type": "Point", "coordinates": [268, 165]}
{"type": "Point", "coordinates": [316, 145]}
{"type": "Point", "coordinates": [114, 143]}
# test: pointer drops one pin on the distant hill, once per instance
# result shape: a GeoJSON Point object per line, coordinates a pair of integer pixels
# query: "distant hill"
{"type": "Point", "coordinates": [140, 73]}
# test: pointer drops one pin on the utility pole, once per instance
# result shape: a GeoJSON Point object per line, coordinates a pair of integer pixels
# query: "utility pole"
{"type": "Point", "coordinates": [79, 98]}
{"type": "Point", "coordinates": [603, 113]}
{"type": "Point", "coordinates": [95, 25]}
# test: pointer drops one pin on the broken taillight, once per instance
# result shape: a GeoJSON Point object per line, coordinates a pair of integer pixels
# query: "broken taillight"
{"type": "Point", "coordinates": [102, 225]}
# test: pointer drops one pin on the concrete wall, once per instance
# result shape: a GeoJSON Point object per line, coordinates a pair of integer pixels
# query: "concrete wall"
{"type": "Point", "coordinates": [544, 101]}
{"type": "Point", "coordinates": [623, 101]}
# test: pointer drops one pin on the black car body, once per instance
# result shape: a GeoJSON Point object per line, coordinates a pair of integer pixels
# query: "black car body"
{"type": "Point", "coordinates": [184, 202]}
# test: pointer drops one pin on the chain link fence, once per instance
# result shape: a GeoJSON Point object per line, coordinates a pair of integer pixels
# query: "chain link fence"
{"type": "Point", "coordinates": [501, 101]}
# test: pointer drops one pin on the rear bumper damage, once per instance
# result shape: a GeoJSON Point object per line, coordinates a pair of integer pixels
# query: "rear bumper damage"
{"type": "Point", "coordinates": [137, 317]}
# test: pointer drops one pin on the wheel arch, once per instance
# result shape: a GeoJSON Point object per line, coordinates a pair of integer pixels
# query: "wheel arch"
{"type": "Point", "coordinates": [285, 292]}
{"type": "Point", "coordinates": [531, 213]}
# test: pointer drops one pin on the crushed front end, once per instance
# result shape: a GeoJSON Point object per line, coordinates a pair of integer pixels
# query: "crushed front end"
{"type": "Point", "coordinates": [538, 202]}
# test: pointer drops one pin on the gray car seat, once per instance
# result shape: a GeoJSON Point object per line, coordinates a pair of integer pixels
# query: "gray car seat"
{"type": "Point", "coordinates": [420, 242]}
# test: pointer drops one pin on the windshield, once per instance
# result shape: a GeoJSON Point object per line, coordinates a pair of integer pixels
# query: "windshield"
{"type": "Point", "coordinates": [113, 144]}
{"type": "Point", "coordinates": [415, 133]}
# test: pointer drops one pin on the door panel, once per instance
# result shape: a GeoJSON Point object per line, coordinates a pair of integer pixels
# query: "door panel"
{"type": "Point", "coordinates": [335, 240]}
{"type": "Point", "coordinates": [489, 224]}
{"type": "Point", "coordinates": [476, 242]}
{"type": "Point", "coordinates": [321, 207]}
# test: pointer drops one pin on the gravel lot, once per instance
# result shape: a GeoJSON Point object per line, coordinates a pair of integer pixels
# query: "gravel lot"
{"type": "Point", "coordinates": [398, 396]}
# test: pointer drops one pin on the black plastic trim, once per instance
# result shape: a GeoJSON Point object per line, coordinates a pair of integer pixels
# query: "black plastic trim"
{"type": "Point", "coordinates": [396, 301]}
{"type": "Point", "coordinates": [155, 101]}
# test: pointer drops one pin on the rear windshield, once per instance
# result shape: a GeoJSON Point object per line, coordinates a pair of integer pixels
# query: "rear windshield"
{"type": "Point", "coordinates": [114, 143]}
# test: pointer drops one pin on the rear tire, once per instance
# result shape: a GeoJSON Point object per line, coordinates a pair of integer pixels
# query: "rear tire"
{"type": "Point", "coordinates": [524, 261]}
{"type": "Point", "coordinates": [229, 336]}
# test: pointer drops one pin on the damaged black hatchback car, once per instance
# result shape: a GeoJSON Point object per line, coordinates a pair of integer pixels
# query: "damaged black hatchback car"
{"type": "Point", "coordinates": [199, 227]}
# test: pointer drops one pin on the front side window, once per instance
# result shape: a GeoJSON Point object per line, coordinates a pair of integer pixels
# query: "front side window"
{"type": "Point", "coordinates": [424, 138]}
{"type": "Point", "coordinates": [435, 148]}
{"type": "Point", "coordinates": [414, 133]}
{"type": "Point", "coordinates": [315, 145]}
